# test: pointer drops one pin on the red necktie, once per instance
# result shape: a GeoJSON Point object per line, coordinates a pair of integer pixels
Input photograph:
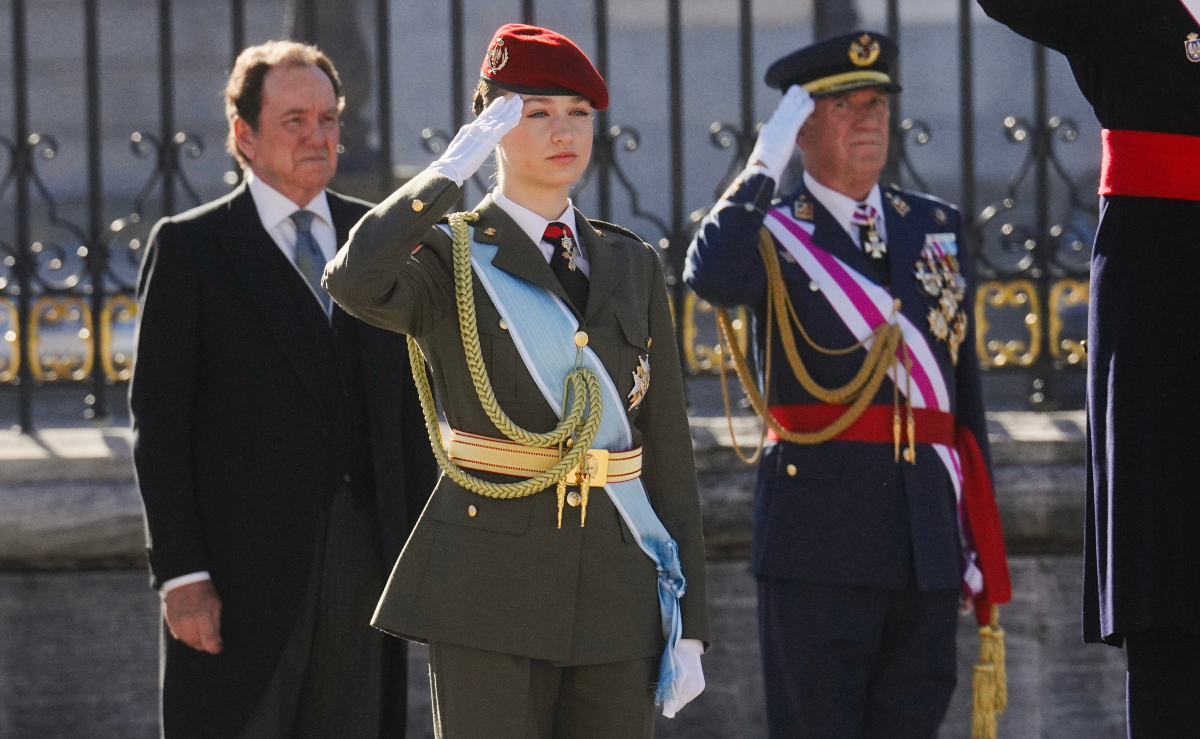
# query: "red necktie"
{"type": "Point", "coordinates": [572, 279]}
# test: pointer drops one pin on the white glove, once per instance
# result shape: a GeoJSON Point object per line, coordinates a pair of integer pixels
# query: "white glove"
{"type": "Point", "coordinates": [777, 139]}
{"type": "Point", "coordinates": [475, 141]}
{"type": "Point", "coordinates": [691, 679]}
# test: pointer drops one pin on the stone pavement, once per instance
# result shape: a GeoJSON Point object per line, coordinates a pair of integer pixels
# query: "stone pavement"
{"type": "Point", "coordinates": [78, 659]}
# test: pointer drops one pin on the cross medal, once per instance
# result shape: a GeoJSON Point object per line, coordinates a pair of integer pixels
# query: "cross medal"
{"type": "Point", "coordinates": [569, 252]}
{"type": "Point", "coordinates": [875, 247]}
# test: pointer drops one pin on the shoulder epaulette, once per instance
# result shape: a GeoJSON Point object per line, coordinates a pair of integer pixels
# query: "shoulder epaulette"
{"type": "Point", "coordinates": [615, 229]}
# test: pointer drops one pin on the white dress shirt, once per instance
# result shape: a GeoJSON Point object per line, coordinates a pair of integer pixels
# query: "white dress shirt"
{"type": "Point", "coordinates": [275, 211]}
{"type": "Point", "coordinates": [841, 207]}
{"type": "Point", "coordinates": [535, 226]}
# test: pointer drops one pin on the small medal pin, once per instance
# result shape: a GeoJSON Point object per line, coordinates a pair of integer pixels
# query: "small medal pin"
{"type": "Point", "coordinates": [569, 252]}
{"type": "Point", "coordinates": [1192, 47]}
{"type": "Point", "coordinates": [875, 246]}
{"type": "Point", "coordinates": [641, 383]}
{"type": "Point", "coordinates": [803, 209]}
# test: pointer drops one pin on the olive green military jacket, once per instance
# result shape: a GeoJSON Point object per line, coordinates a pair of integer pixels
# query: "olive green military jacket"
{"type": "Point", "coordinates": [503, 577]}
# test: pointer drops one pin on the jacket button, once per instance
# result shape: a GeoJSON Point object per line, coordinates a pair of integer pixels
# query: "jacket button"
{"type": "Point", "coordinates": [471, 511]}
{"type": "Point", "coordinates": [791, 470]}
{"type": "Point", "coordinates": [418, 206]}
{"type": "Point", "coordinates": [503, 325]}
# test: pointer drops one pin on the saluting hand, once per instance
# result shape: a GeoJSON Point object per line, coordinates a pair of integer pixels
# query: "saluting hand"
{"type": "Point", "coordinates": [777, 139]}
{"type": "Point", "coordinates": [193, 614]}
{"type": "Point", "coordinates": [474, 142]}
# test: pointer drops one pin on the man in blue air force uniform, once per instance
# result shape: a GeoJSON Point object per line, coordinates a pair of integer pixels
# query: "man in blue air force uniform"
{"type": "Point", "coordinates": [858, 547]}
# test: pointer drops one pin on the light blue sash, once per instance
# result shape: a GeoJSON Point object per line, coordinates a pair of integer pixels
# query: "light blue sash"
{"type": "Point", "coordinates": [544, 329]}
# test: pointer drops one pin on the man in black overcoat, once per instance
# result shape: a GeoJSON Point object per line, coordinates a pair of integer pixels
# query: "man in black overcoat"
{"type": "Point", "coordinates": [280, 448]}
{"type": "Point", "coordinates": [1138, 63]}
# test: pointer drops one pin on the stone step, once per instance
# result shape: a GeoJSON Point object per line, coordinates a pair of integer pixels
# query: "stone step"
{"type": "Point", "coordinates": [68, 499]}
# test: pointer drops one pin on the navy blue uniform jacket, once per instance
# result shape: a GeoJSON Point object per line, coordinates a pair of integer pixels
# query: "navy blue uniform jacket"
{"type": "Point", "coordinates": [1142, 549]}
{"type": "Point", "coordinates": [851, 514]}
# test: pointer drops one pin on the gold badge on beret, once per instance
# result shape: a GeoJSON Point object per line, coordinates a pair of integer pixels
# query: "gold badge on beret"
{"type": "Point", "coordinates": [497, 56]}
{"type": "Point", "coordinates": [864, 51]}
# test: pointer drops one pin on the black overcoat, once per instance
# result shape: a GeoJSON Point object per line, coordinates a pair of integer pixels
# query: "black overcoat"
{"type": "Point", "coordinates": [250, 411]}
{"type": "Point", "coordinates": [1142, 551]}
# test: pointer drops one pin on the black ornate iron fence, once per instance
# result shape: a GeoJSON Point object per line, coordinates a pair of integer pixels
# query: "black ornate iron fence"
{"type": "Point", "coordinates": [68, 312]}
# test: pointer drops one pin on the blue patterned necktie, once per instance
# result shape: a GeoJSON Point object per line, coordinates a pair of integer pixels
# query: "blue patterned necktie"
{"type": "Point", "coordinates": [309, 258]}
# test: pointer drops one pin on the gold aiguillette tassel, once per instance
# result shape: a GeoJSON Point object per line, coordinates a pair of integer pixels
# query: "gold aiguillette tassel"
{"type": "Point", "coordinates": [584, 487]}
{"type": "Point", "coordinates": [912, 437]}
{"type": "Point", "coordinates": [562, 498]}
{"type": "Point", "coordinates": [896, 431]}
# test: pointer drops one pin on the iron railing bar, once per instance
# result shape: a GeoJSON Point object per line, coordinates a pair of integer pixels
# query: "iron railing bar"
{"type": "Point", "coordinates": [528, 15]}
{"type": "Point", "coordinates": [966, 113]}
{"type": "Point", "coordinates": [166, 97]}
{"type": "Point", "coordinates": [23, 163]}
{"type": "Point", "coordinates": [605, 150]}
{"type": "Point", "coordinates": [383, 53]}
{"type": "Point", "coordinates": [746, 51]}
{"type": "Point", "coordinates": [97, 253]}
{"type": "Point", "coordinates": [457, 90]}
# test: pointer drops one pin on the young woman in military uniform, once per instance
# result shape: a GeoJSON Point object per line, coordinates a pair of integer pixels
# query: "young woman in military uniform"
{"type": "Point", "coordinates": [546, 605]}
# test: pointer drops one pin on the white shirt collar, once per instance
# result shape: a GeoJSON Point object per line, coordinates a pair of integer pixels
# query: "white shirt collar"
{"type": "Point", "coordinates": [841, 207]}
{"type": "Point", "coordinates": [531, 223]}
{"type": "Point", "coordinates": [274, 207]}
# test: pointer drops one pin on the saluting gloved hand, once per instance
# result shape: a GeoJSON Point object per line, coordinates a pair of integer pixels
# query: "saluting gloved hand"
{"type": "Point", "coordinates": [475, 141]}
{"type": "Point", "coordinates": [777, 139]}
{"type": "Point", "coordinates": [691, 681]}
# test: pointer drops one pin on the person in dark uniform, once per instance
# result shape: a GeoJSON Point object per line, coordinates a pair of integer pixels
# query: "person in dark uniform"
{"type": "Point", "coordinates": [554, 606]}
{"type": "Point", "coordinates": [1138, 63]}
{"type": "Point", "coordinates": [874, 514]}
{"type": "Point", "coordinates": [279, 442]}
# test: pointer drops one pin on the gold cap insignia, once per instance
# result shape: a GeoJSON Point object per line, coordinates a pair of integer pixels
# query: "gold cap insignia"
{"type": "Point", "coordinates": [497, 56]}
{"type": "Point", "coordinates": [864, 51]}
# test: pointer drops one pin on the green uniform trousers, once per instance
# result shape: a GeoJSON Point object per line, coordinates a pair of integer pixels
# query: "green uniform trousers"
{"type": "Point", "coordinates": [328, 681]}
{"type": "Point", "coordinates": [478, 694]}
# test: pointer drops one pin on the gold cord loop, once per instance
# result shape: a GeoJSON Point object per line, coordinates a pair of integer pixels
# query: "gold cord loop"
{"type": "Point", "coordinates": [576, 431]}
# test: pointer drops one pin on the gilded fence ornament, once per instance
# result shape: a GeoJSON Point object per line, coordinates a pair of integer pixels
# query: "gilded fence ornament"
{"type": "Point", "coordinates": [1020, 294]}
{"type": "Point", "coordinates": [117, 322]}
{"type": "Point", "coordinates": [10, 351]}
{"type": "Point", "coordinates": [1066, 294]}
{"type": "Point", "coordinates": [699, 355]}
{"type": "Point", "coordinates": [60, 338]}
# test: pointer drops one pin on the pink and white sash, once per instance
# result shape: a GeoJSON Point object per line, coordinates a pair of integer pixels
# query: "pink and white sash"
{"type": "Point", "coordinates": [863, 306]}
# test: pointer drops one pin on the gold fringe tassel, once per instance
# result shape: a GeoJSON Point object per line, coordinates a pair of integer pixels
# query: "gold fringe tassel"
{"type": "Point", "coordinates": [990, 681]}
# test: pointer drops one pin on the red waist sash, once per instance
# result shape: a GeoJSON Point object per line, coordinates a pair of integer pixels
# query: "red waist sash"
{"type": "Point", "coordinates": [875, 425]}
{"type": "Point", "coordinates": [1150, 165]}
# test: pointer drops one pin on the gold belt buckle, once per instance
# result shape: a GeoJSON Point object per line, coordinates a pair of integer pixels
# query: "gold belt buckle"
{"type": "Point", "coordinates": [597, 470]}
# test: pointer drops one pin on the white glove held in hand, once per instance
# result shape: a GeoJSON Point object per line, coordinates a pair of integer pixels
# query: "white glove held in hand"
{"type": "Point", "coordinates": [777, 139]}
{"type": "Point", "coordinates": [476, 141]}
{"type": "Point", "coordinates": [691, 681]}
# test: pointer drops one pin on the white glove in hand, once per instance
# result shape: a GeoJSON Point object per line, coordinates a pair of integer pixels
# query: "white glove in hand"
{"type": "Point", "coordinates": [691, 681]}
{"type": "Point", "coordinates": [475, 141]}
{"type": "Point", "coordinates": [777, 139]}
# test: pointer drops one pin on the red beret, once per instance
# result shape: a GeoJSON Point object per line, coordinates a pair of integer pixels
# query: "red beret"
{"type": "Point", "coordinates": [536, 61]}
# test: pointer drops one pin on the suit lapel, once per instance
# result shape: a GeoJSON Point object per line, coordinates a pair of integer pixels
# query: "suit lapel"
{"type": "Point", "coordinates": [606, 263]}
{"type": "Point", "coordinates": [904, 248]}
{"type": "Point", "coordinates": [264, 273]}
{"type": "Point", "coordinates": [517, 255]}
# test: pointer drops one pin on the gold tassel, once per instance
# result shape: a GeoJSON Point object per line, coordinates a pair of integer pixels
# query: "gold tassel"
{"type": "Point", "coordinates": [562, 498]}
{"type": "Point", "coordinates": [896, 431]}
{"type": "Point", "coordinates": [912, 436]}
{"type": "Point", "coordinates": [983, 711]}
{"type": "Point", "coordinates": [990, 679]}
{"type": "Point", "coordinates": [999, 659]}
{"type": "Point", "coordinates": [584, 487]}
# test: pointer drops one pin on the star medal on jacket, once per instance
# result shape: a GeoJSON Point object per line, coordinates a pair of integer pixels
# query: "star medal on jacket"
{"type": "Point", "coordinates": [641, 382]}
{"type": "Point", "coordinates": [938, 275]}
{"type": "Point", "coordinates": [1192, 47]}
